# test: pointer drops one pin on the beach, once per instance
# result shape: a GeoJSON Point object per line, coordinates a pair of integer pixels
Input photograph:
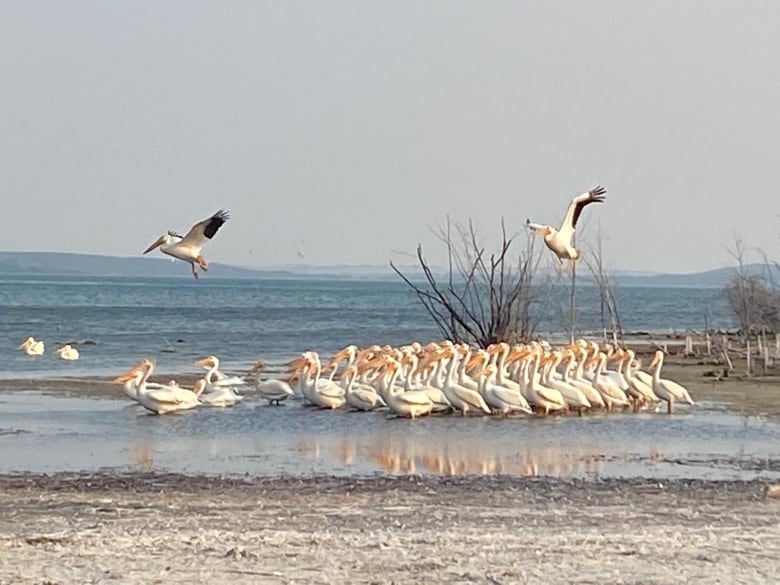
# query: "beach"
{"type": "Point", "coordinates": [158, 528]}
{"type": "Point", "coordinates": [149, 525]}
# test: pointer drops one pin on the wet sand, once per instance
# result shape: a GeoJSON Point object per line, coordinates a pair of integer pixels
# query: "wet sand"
{"type": "Point", "coordinates": [176, 529]}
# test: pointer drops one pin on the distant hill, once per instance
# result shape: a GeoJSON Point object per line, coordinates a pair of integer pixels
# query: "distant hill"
{"type": "Point", "coordinates": [710, 278]}
{"type": "Point", "coordinates": [94, 265]}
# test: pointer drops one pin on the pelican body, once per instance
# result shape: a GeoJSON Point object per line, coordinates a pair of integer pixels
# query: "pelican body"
{"type": "Point", "coordinates": [32, 347]}
{"type": "Point", "coordinates": [67, 352]}
{"type": "Point", "coordinates": [561, 241]}
{"type": "Point", "coordinates": [188, 248]}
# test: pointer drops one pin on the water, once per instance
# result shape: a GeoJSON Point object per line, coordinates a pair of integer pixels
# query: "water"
{"type": "Point", "coordinates": [241, 320]}
{"type": "Point", "coordinates": [49, 433]}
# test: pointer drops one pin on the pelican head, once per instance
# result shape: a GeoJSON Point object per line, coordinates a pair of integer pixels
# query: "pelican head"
{"type": "Point", "coordinates": [658, 357]}
{"type": "Point", "coordinates": [27, 342]}
{"type": "Point", "coordinates": [208, 362]}
{"type": "Point", "coordinates": [128, 375]}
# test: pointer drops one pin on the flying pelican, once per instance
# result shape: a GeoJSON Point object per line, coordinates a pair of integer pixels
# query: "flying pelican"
{"type": "Point", "coordinates": [560, 240]}
{"type": "Point", "coordinates": [188, 247]}
{"type": "Point", "coordinates": [67, 352]}
{"type": "Point", "coordinates": [32, 347]}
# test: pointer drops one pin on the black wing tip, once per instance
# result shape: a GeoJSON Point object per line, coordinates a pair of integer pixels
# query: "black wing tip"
{"type": "Point", "coordinates": [597, 193]}
{"type": "Point", "coordinates": [222, 214]}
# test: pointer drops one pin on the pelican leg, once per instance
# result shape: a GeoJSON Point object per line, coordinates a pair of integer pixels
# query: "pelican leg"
{"type": "Point", "coordinates": [194, 274]}
{"type": "Point", "coordinates": [669, 407]}
{"type": "Point", "coordinates": [559, 268]}
{"type": "Point", "coordinates": [202, 263]}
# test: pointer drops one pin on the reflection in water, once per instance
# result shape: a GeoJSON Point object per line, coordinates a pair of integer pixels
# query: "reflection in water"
{"type": "Point", "coordinates": [404, 455]}
{"type": "Point", "coordinates": [142, 455]}
{"type": "Point", "coordinates": [52, 433]}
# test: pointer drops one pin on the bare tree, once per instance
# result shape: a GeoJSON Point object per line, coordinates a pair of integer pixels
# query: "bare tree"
{"type": "Point", "coordinates": [753, 297]}
{"type": "Point", "coordinates": [594, 260]}
{"type": "Point", "coordinates": [484, 297]}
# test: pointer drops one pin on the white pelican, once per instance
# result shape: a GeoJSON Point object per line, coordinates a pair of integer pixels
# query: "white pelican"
{"type": "Point", "coordinates": [361, 398]}
{"type": "Point", "coordinates": [560, 240]}
{"type": "Point", "coordinates": [67, 352]}
{"type": "Point", "coordinates": [272, 390]}
{"type": "Point", "coordinates": [667, 389]}
{"type": "Point", "coordinates": [32, 347]}
{"type": "Point", "coordinates": [161, 400]}
{"type": "Point", "coordinates": [219, 390]}
{"type": "Point", "coordinates": [188, 247]}
{"type": "Point", "coordinates": [214, 377]}
{"type": "Point", "coordinates": [504, 400]}
{"type": "Point", "coordinates": [413, 403]}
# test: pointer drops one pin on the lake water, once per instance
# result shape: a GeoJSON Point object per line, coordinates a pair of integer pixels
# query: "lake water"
{"type": "Point", "coordinates": [242, 320]}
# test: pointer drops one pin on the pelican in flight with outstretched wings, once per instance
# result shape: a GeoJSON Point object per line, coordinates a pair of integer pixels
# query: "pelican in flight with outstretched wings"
{"type": "Point", "coordinates": [560, 240]}
{"type": "Point", "coordinates": [188, 247]}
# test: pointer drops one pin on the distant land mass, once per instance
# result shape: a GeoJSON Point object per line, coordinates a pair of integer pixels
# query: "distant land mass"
{"type": "Point", "coordinates": [64, 263]}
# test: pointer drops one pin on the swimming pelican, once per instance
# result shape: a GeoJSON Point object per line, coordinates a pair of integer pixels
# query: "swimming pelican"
{"type": "Point", "coordinates": [560, 240]}
{"type": "Point", "coordinates": [32, 347]}
{"type": "Point", "coordinates": [188, 247]}
{"type": "Point", "coordinates": [67, 352]}
{"type": "Point", "coordinates": [667, 389]}
{"type": "Point", "coordinates": [272, 390]}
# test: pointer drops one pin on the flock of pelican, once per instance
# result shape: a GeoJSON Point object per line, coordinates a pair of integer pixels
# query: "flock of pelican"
{"type": "Point", "coordinates": [33, 347]}
{"type": "Point", "coordinates": [416, 380]}
{"type": "Point", "coordinates": [214, 389]}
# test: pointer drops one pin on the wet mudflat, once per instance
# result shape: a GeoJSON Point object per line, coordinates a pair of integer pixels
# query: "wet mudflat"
{"type": "Point", "coordinates": [169, 528]}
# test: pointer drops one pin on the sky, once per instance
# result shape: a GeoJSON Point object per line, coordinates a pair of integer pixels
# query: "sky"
{"type": "Point", "coordinates": [345, 132]}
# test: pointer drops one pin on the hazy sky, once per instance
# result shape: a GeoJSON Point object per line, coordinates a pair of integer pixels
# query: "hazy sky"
{"type": "Point", "coordinates": [344, 129]}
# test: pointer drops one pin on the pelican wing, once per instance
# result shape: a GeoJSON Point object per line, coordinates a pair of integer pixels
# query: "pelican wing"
{"type": "Point", "coordinates": [415, 398]}
{"type": "Point", "coordinates": [204, 230]}
{"type": "Point", "coordinates": [569, 224]}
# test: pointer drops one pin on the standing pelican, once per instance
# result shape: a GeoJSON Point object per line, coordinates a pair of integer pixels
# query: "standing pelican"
{"type": "Point", "coordinates": [560, 240]}
{"type": "Point", "coordinates": [188, 247]}
{"type": "Point", "coordinates": [667, 389]}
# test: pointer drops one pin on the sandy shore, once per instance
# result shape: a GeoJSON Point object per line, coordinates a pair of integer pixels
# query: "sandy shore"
{"type": "Point", "coordinates": [175, 529]}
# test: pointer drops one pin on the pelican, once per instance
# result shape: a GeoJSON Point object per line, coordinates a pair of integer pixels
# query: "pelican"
{"type": "Point", "coordinates": [274, 391]}
{"type": "Point", "coordinates": [219, 388]}
{"type": "Point", "coordinates": [160, 400]}
{"type": "Point", "coordinates": [32, 347]}
{"type": "Point", "coordinates": [667, 389]}
{"type": "Point", "coordinates": [67, 352]}
{"type": "Point", "coordinates": [560, 240]}
{"type": "Point", "coordinates": [188, 247]}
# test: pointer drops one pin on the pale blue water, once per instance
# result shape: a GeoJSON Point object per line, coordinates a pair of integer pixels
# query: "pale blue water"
{"type": "Point", "coordinates": [242, 320]}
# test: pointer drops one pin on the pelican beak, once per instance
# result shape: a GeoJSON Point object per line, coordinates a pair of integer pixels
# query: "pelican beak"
{"type": "Point", "coordinates": [297, 364]}
{"type": "Point", "coordinates": [205, 362]}
{"type": "Point", "coordinates": [124, 377]}
{"type": "Point", "coordinates": [157, 242]}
